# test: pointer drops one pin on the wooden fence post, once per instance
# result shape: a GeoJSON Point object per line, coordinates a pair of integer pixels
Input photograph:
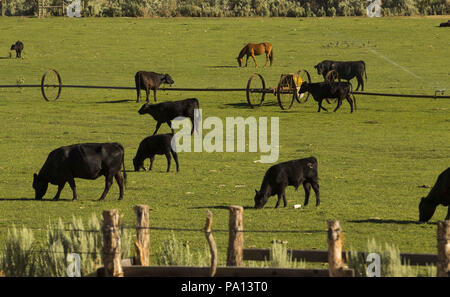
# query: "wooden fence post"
{"type": "Point", "coordinates": [235, 254]}
{"type": "Point", "coordinates": [3, 7]}
{"type": "Point", "coordinates": [142, 244]}
{"type": "Point", "coordinates": [335, 243]}
{"type": "Point", "coordinates": [443, 245]}
{"type": "Point", "coordinates": [111, 243]}
{"type": "Point", "coordinates": [211, 243]}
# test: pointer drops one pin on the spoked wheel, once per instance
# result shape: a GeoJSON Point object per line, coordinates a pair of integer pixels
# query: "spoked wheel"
{"type": "Point", "coordinates": [51, 85]}
{"type": "Point", "coordinates": [256, 87]}
{"type": "Point", "coordinates": [332, 76]}
{"type": "Point", "coordinates": [305, 77]}
{"type": "Point", "coordinates": [286, 92]}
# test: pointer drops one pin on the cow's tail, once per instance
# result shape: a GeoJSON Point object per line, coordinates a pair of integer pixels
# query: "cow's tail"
{"type": "Point", "coordinates": [137, 80]}
{"type": "Point", "coordinates": [197, 116]}
{"type": "Point", "coordinates": [271, 57]}
{"type": "Point", "coordinates": [124, 171]}
{"type": "Point", "coordinates": [365, 72]}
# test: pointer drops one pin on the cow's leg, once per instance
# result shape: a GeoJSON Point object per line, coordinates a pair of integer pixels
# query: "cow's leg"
{"type": "Point", "coordinates": [154, 95]}
{"type": "Point", "coordinates": [315, 186]}
{"type": "Point", "coordinates": [175, 157]}
{"type": "Point", "coordinates": [284, 199]}
{"type": "Point", "coordinates": [119, 180]}
{"type": "Point", "coordinates": [58, 193]}
{"type": "Point", "coordinates": [158, 124]}
{"type": "Point", "coordinates": [360, 83]}
{"type": "Point", "coordinates": [168, 161]}
{"type": "Point", "coordinates": [267, 60]}
{"type": "Point", "coordinates": [279, 200]}
{"type": "Point", "coordinates": [74, 189]}
{"type": "Point", "coordinates": [170, 126]}
{"type": "Point", "coordinates": [307, 187]}
{"type": "Point", "coordinates": [350, 101]}
{"type": "Point", "coordinates": [193, 124]}
{"type": "Point", "coordinates": [246, 61]}
{"type": "Point", "coordinates": [108, 183]}
{"type": "Point", "coordinates": [321, 107]}
{"type": "Point", "coordinates": [338, 104]}
{"type": "Point", "coordinates": [152, 159]}
{"type": "Point", "coordinates": [138, 91]}
{"type": "Point", "coordinates": [147, 92]}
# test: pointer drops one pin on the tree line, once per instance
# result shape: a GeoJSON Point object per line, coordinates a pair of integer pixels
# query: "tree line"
{"type": "Point", "coordinates": [233, 8]}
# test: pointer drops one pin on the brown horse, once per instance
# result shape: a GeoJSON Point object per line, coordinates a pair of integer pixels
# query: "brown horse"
{"type": "Point", "coordinates": [253, 50]}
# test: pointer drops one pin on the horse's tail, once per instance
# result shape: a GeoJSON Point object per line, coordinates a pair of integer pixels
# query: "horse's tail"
{"type": "Point", "coordinates": [271, 57]}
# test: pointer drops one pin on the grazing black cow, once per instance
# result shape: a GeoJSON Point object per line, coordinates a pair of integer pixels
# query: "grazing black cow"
{"type": "Point", "coordinates": [84, 160]}
{"type": "Point", "coordinates": [150, 81]}
{"type": "Point", "coordinates": [439, 194]}
{"type": "Point", "coordinates": [18, 47]}
{"type": "Point", "coordinates": [167, 111]}
{"type": "Point", "coordinates": [446, 24]}
{"type": "Point", "coordinates": [345, 70]}
{"type": "Point", "coordinates": [155, 145]}
{"type": "Point", "coordinates": [291, 173]}
{"type": "Point", "coordinates": [324, 90]}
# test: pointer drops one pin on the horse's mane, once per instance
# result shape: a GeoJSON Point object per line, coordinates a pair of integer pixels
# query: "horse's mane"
{"type": "Point", "coordinates": [243, 51]}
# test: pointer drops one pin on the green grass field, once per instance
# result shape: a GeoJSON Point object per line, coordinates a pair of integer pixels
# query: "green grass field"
{"type": "Point", "coordinates": [371, 163]}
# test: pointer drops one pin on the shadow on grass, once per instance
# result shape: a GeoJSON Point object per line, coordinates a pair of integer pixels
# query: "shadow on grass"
{"type": "Point", "coordinates": [380, 221]}
{"type": "Point", "coordinates": [115, 101]}
{"type": "Point", "coordinates": [222, 66]}
{"type": "Point", "coordinates": [245, 105]}
{"type": "Point", "coordinates": [32, 199]}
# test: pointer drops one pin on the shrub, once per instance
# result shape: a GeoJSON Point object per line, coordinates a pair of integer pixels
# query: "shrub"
{"type": "Point", "coordinates": [391, 264]}
{"type": "Point", "coordinates": [23, 257]}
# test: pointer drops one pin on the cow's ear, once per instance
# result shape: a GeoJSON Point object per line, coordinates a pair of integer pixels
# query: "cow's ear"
{"type": "Point", "coordinates": [34, 177]}
{"type": "Point", "coordinates": [256, 191]}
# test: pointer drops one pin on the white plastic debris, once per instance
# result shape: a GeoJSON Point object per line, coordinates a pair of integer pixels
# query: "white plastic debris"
{"type": "Point", "coordinates": [297, 205]}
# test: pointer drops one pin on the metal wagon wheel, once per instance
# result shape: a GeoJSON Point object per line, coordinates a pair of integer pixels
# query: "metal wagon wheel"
{"type": "Point", "coordinates": [304, 75]}
{"type": "Point", "coordinates": [331, 77]}
{"type": "Point", "coordinates": [51, 85]}
{"type": "Point", "coordinates": [255, 90]}
{"type": "Point", "coordinates": [286, 91]}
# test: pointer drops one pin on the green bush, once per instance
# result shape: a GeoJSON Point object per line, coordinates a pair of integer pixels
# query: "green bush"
{"type": "Point", "coordinates": [391, 264]}
{"type": "Point", "coordinates": [175, 252]}
{"type": "Point", "coordinates": [237, 8]}
{"type": "Point", "coordinates": [22, 256]}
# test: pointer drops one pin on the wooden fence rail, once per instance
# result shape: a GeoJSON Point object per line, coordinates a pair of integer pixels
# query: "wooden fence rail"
{"type": "Point", "coordinates": [321, 256]}
{"type": "Point", "coordinates": [336, 257]}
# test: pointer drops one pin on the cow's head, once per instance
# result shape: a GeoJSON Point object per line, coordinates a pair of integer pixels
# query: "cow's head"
{"type": "Point", "coordinates": [304, 87]}
{"type": "Point", "coordinates": [138, 165]}
{"type": "Point", "coordinates": [13, 47]}
{"type": "Point", "coordinates": [260, 199]}
{"type": "Point", "coordinates": [426, 210]}
{"type": "Point", "coordinates": [239, 60]}
{"type": "Point", "coordinates": [146, 108]}
{"type": "Point", "coordinates": [39, 186]}
{"type": "Point", "coordinates": [320, 68]}
{"type": "Point", "coordinates": [167, 79]}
